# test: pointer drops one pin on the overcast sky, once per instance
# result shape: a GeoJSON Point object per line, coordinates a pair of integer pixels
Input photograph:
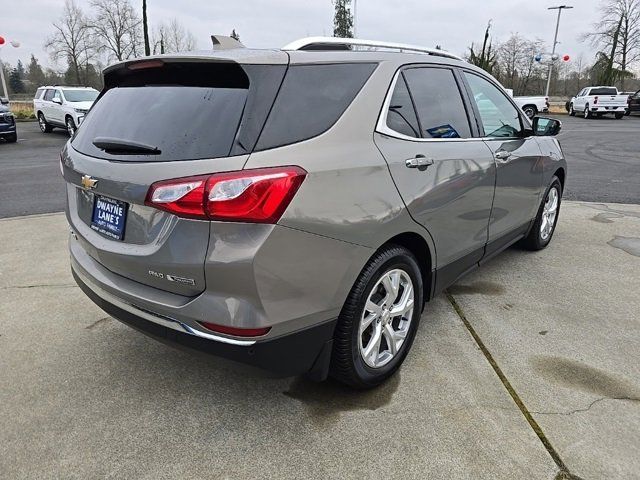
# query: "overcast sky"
{"type": "Point", "coordinates": [454, 24]}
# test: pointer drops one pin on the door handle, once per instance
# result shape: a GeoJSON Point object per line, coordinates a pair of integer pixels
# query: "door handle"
{"type": "Point", "coordinates": [419, 161]}
{"type": "Point", "coordinates": [502, 155]}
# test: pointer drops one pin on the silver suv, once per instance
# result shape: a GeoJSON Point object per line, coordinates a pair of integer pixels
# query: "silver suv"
{"type": "Point", "coordinates": [294, 209]}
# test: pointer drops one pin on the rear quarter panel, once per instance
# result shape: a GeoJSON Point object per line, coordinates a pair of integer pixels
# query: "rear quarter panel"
{"type": "Point", "coordinates": [348, 199]}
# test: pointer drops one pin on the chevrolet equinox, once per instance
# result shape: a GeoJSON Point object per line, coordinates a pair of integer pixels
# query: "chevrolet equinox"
{"type": "Point", "coordinates": [295, 209]}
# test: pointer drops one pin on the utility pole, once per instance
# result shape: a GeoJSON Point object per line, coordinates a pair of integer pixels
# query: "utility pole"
{"type": "Point", "coordinates": [555, 42]}
{"type": "Point", "coordinates": [355, 18]}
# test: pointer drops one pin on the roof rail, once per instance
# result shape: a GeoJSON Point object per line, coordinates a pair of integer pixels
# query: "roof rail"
{"type": "Point", "coordinates": [336, 43]}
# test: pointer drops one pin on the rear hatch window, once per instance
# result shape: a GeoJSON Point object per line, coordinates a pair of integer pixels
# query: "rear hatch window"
{"type": "Point", "coordinates": [178, 111]}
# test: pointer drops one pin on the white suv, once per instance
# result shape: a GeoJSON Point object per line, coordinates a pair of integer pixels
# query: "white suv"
{"type": "Point", "coordinates": [64, 107]}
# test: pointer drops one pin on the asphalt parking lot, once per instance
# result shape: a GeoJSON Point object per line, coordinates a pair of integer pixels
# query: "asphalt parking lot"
{"type": "Point", "coordinates": [602, 155]}
{"type": "Point", "coordinates": [31, 181]}
{"type": "Point", "coordinates": [527, 368]}
{"type": "Point", "coordinates": [85, 397]}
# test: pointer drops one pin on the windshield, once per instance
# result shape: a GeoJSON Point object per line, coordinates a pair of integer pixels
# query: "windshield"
{"type": "Point", "coordinates": [80, 95]}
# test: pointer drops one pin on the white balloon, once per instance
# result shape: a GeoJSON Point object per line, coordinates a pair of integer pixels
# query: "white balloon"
{"type": "Point", "coordinates": [15, 43]}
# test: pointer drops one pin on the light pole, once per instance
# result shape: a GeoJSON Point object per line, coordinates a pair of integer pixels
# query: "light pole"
{"type": "Point", "coordinates": [355, 18]}
{"type": "Point", "coordinates": [555, 42]}
{"type": "Point", "coordinates": [14, 44]}
{"type": "Point", "coordinates": [4, 83]}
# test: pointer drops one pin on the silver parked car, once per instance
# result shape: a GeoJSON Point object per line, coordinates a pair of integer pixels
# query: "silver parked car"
{"type": "Point", "coordinates": [294, 209]}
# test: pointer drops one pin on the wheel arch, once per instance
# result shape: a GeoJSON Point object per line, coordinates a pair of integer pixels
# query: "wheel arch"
{"type": "Point", "coordinates": [419, 247]}
{"type": "Point", "coordinates": [561, 174]}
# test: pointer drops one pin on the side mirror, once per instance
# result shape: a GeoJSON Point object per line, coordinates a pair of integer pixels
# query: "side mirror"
{"type": "Point", "coordinates": [57, 100]}
{"type": "Point", "coordinates": [546, 127]}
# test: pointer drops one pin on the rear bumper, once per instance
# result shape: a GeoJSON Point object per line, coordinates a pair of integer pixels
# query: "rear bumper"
{"type": "Point", "coordinates": [304, 351]}
{"type": "Point", "coordinates": [608, 109]}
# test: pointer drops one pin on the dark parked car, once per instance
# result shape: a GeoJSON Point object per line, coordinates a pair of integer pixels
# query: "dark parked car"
{"type": "Point", "coordinates": [8, 130]}
{"type": "Point", "coordinates": [634, 103]}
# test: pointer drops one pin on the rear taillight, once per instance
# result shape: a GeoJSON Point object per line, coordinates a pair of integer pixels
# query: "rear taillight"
{"type": "Point", "coordinates": [257, 196]}
{"type": "Point", "coordinates": [595, 100]}
{"type": "Point", "coordinates": [546, 101]}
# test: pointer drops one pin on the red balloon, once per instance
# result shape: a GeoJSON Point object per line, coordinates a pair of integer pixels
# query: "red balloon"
{"type": "Point", "coordinates": [566, 58]}
{"type": "Point", "coordinates": [1, 40]}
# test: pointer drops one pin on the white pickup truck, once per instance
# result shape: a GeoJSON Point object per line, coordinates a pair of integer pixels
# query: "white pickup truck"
{"type": "Point", "coordinates": [531, 106]}
{"type": "Point", "coordinates": [597, 101]}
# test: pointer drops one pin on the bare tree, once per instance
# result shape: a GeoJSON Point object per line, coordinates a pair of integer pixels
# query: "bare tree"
{"type": "Point", "coordinates": [72, 41]}
{"type": "Point", "coordinates": [172, 37]}
{"type": "Point", "coordinates": [517, 64]}
{"type": "Point", "coordinates": [617, 35]}
{"type": "Point", "coordinates": [117, 28]}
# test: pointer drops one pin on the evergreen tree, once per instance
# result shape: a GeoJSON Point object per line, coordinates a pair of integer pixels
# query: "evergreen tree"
{"type": "Point", "coordinates": [16, 76]}
{"type": "Point", "coordinates": [486, 58]}
{"type": "Point", "coordinates": [343, 20]}
{"type": "Point", "coordinates": [35, 75]}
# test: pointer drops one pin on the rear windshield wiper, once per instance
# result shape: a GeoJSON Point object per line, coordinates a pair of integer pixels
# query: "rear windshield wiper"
{"type": "Point", "coordinates": [118, 146]}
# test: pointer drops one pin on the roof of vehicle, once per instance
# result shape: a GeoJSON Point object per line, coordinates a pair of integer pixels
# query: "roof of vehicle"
{"type": "Point", "coordinates": [74, 87]}
{"type": "Point", "coordinates": [308, 50]}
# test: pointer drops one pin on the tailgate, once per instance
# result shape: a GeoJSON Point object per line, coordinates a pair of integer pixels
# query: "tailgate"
{"type": "Point", "coordinates": [612, 101]}
{"type": "Point", "coordinates": [159, 120]}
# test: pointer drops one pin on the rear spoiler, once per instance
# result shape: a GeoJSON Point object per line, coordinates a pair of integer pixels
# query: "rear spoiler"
{"type": "Point", "coordinates": [222, 42]}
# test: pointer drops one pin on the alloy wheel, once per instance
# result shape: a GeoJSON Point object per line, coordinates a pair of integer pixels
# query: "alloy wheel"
{"type": "Point", "coordinates": [549, 213]}
{"type": "Point", "coordinates": [71, 129]}
{"type": "Point", "coordinates": [386, 318]}
{"type": "Point", "coordinates": [42, 123]}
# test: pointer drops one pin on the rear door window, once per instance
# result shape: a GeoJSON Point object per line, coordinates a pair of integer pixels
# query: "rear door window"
{"type": "Point", "coordinates": [311, 100]}
{"type": "Point", "coordinates": [441, 111]}
{"type": "Point", "coordinates": [401, 116]}
{"type": "Point", "coordinates": [184, 111]}
{"type": "Point", "coordinates": [49, 94]}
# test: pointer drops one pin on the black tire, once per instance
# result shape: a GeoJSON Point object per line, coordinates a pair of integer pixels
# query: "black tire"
{"type": "Point", "coordinates": [572, 112]}
{"type": "Point", "coordinates": [347, 364]}
{"type": "Point", "coordinates": [534, 240]}
{"type": "Point", "coordinates": [45, 127]}
{"type": "Point", "coordinates": [587, 112]}
{"type": "Point", "coordinates": [530, 111]}
{"type": "Point", "coordinates": [71, 126]}
{"type": "Point", "coordinates": [12, 138]}
{"type": "Point", "coordinates": [619, 115]}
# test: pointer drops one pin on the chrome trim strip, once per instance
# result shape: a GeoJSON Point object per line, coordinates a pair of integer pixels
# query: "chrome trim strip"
{"type": "Point", "coordinates": [305, 42]}
{"type": "Point", "coordinates": [155, 318]}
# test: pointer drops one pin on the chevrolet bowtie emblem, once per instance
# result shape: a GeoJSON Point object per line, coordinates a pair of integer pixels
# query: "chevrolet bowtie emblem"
{"type": "Point", "coordinates": [89, 182]}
